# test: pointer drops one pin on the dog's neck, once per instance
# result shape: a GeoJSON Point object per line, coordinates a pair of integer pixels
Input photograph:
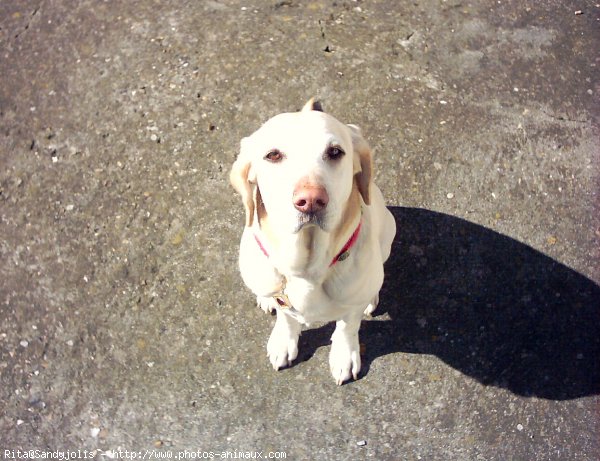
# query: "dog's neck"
{"type": "Point", "coordinates": [308, 253]}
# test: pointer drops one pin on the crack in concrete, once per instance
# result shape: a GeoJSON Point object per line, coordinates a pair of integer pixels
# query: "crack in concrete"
{"type": "Point", "coordinates": [26, 27]}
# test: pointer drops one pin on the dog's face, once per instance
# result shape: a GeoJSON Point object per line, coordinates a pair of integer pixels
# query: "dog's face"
{"type": "Point", "coordinates": [302, 166]}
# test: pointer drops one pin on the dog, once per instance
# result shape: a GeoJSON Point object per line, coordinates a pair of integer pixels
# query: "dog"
{"type": "Point", "coordinates": [317, 231]}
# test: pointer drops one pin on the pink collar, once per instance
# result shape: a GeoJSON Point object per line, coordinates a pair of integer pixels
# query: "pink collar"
{"type": "Point", "coordinates": [343, 254]}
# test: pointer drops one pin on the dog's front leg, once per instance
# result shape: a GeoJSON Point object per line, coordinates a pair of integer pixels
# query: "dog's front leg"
{"type": "Point", "coordinates": [371, 307]}
{"type": "Point", "coordinates": [344, 358]}
{"type": "Point", "coordinates": [282, 347]}
{"type": "Point", "coordinates": [267, 304]}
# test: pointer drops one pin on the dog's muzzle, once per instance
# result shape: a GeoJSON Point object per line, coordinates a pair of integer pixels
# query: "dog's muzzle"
{"type": "Point", "coordinates": [304, 219]}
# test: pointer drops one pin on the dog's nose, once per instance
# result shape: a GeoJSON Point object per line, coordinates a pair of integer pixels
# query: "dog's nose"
{"type": "Point", "coordinates": [310, 198]}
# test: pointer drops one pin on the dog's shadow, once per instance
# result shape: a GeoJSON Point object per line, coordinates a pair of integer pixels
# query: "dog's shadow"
{"type": "Point", "coordinates": [487, 305]}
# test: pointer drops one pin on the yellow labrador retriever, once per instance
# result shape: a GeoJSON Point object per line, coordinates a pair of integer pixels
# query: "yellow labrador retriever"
{"type": "Point", "coordinates": [317, 231]}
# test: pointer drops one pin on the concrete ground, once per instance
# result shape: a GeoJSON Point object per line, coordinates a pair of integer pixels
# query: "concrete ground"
{"type": "Point", "coordinates": [124, 321]}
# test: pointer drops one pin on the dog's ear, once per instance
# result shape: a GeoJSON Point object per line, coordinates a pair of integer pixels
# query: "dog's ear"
{"type": "Point", "coordinates": [363, 163]}
{"type": "Point", "coordinates": [311, 104]}
{"type": "Point", "coordinates": [241, 178]}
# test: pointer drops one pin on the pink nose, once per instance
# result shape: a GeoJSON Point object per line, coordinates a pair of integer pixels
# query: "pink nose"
{"type": "Point", "coordinates": [310, 198]}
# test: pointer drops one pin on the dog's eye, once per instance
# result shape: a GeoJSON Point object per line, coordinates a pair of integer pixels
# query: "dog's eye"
{"type": "Point", "coordinates": [274, 156]}
{"type": "Point", "coordinates": [334, 152]}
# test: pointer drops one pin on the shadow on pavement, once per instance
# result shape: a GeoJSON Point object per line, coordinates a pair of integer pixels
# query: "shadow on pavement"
{"type": "Point", "coordinates": [487, 305]}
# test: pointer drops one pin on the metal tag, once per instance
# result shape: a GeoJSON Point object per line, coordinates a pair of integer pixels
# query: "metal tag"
{"type": "Point", "coordinates": [343, 256]}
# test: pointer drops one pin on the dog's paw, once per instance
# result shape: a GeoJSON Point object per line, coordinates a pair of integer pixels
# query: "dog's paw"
{"type": "Point", "coordinates": [267, 304]}
{"type": "Point", "coordinates": [344, 358]}
{"type": "Point", "coordinates": [282, 347]}
{"type": "Point", "coordinates": [373, 305]}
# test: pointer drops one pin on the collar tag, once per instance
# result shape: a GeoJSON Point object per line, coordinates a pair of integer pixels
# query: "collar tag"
{"type": "Point", "coordinates": [343, 256]}
{"type": "Point", "coordinates": [345, 252]}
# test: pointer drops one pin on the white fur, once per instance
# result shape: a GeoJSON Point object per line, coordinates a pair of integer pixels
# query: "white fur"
{"type": "Point", "coordinates": [300, 257]}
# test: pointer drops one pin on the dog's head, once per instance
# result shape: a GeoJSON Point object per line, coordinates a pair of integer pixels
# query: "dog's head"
{"type": "Point", "coordinates": [302, 167]}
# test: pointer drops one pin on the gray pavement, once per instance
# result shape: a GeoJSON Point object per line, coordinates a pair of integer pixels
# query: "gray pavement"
{"type": "Point", "coordinates": [124, 321]}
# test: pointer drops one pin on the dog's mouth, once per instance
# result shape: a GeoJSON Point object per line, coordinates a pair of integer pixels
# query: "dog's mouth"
{"type": "Point", "coordinates": [307, 219]}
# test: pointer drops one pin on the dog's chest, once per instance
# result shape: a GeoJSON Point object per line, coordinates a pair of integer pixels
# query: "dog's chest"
{"type": "Point", "coordinates": [313, 302]}
{"type": "Point", "coordinates": [333, 299]}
